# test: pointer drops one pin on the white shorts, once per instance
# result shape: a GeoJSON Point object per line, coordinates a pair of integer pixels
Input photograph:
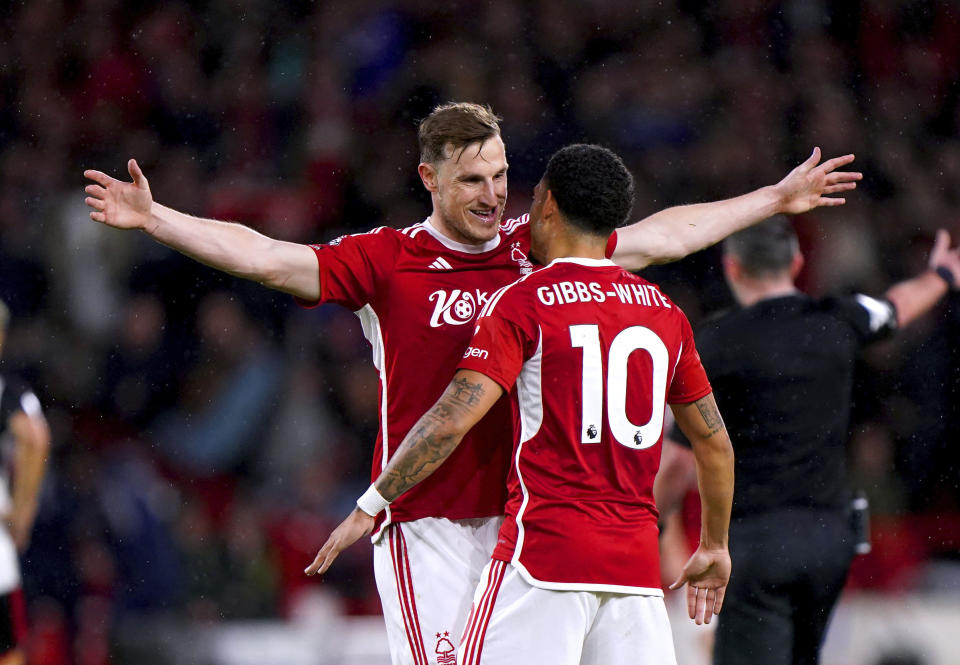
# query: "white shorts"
{"type": "Point", "coordinates": [514, 622]}
{"type": "Point", "coordinates": [10, 563]}
{"type": "Point", "coordinates": [427, 571]}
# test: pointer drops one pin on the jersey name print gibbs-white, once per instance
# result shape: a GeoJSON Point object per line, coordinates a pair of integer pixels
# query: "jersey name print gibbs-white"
{"type": "Point", "coordinates": [417, 294]}
{"type": "Point", "coordinates": [596, 354]}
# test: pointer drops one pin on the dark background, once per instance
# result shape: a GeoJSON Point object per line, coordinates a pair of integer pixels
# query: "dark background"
{"type": "Point", "coordinates": [208, 432]}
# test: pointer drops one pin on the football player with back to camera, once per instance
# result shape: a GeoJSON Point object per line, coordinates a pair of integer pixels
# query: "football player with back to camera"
{"type": "Point", "coordinates": [782, 366]}
{"type": "Point", "coordinates": [589, 354]}
{"type": "Point", "coordinates": [417, 291]}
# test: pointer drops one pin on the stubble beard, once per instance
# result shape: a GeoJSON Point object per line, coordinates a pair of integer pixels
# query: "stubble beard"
{"type": "Point", "coordinates": [459, 225]}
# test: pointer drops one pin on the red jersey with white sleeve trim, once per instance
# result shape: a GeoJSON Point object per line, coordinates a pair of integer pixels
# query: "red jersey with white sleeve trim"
{"type": "Point", "coordinates": [590, 354]}
{"type": "Point", "coordinates": [417, 294]}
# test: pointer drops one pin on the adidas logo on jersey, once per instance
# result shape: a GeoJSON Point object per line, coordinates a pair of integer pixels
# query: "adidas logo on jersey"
{"type": "Point", "coordinates": [441, 264]}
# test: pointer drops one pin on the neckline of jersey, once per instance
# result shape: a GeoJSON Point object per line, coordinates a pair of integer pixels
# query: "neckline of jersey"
{"type": "Point", "coordinates": [584, 261]}
{"type": "Point", "coordinates": [459, 246]}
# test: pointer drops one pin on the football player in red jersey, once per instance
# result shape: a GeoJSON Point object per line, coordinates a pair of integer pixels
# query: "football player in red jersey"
{"type": "Point", "coordinates": [589, 354]}
{"type": "Point", "coordinates": [417, 292]}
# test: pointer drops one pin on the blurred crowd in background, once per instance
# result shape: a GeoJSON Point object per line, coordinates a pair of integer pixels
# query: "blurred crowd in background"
{"type": "Point", "coordinates": [208, 433]}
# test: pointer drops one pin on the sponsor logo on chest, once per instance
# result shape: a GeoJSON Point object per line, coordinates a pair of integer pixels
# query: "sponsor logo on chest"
{"type": "Point", "coordinates": [456, 307]}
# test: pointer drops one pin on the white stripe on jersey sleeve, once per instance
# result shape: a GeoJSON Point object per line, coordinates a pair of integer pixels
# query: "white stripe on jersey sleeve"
{"type": "Point", "coordinates": [512, 225]}
{"type": "Point", "coordinates": [488, 306]}
{"type": "Point", "coordinates": [487, 309]}
{"type": "Point", "coordinates": [413, 230]}
{"type": "Point", "coordinates": [881, 313]}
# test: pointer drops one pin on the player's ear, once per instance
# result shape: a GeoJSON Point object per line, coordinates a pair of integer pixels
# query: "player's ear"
{"type": "Point", "coordinates": [549, 205]}
{"type": "Point", "coordinates": [429, 176]}
{"type": "Point", "coordinates": [796, 265]}
{"type": "Point", "coordinates": [732, 269]}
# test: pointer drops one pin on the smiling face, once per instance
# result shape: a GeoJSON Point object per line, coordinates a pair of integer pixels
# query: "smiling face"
{"type": "Point", "coordinates": [469, 191]}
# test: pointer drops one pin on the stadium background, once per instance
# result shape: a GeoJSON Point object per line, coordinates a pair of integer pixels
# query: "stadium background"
{"type": "Point", "coordinates": [208, 432]}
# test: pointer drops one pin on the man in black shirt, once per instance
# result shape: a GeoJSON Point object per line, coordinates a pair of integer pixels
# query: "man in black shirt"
{"type": "Point", "coordinates": [24, 442]}
{"type": "Point", "coordinates": [781, 367]}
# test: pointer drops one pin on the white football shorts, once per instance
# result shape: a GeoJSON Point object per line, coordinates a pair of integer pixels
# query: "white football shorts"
{"type": "Point", "coordinates": [426, 572]}
{"type": "Point", "coordinates": [514, 622]}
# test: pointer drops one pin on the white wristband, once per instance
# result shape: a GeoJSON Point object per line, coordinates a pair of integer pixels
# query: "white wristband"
{"type": "Point", "coordinates": [372, 502]}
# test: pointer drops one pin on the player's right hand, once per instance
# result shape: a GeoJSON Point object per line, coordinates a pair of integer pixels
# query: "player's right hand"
{"type": "Point", "coordinates": [123, 205]}
{"type": "Point", "coordinates": [706, 574]}
{"type": "Point", "coordinates": [357, 525]}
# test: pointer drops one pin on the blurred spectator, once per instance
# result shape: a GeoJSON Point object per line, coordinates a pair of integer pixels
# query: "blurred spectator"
{"type": "Point", "coordinates": [228, 395]}
{"type": "Point", "coordinates": [299, 118]}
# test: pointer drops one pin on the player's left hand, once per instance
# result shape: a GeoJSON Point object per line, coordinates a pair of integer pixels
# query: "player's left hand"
{"type": "Point", "coordinates": [806, 186]}
{"type": "Point", "coordinates": [706, 574]}
{"type": "Point", "coordinates": [357, 525]}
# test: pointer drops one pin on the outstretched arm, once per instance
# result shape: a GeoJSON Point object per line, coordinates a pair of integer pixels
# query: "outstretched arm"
{"type": "Point", "coordinates": [31, 446]}
{"type": "Point", "coordinates": [232, 248]}
{"type": "Point", "coordinates": [708, 570]}
{"type": "Point", "coordinates": [676, 232]}
{"type": "Point", "coordinates": [437, 434]}
{"type": "Point", "coordinates": [915, 297]}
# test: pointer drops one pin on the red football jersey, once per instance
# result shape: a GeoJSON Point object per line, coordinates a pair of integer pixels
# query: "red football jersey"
{"type": "Point", "coordinates": [417, 294]}
{"type": "Point", "coordinates": [596, 353]}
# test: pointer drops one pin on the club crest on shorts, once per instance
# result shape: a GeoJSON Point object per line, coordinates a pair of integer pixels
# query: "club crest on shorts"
{"type": "Point", "coordinates": [446, 652]}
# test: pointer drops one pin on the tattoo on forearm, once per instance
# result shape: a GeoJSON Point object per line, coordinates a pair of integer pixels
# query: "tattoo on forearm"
{"type": "Point", "coordinates": [711, 415]}
{"type": "Point", "coordinates": [430, 441]}
{"type": "Point", "coordinates": [469, 393]}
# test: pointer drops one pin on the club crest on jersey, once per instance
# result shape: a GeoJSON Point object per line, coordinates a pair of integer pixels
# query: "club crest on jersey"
{"type": "Point", "coordinates": [516, 254]}
{"type": "Point", "coordinates": [446, 652]}
{"type": "Point", "coordinates": [455, 308]}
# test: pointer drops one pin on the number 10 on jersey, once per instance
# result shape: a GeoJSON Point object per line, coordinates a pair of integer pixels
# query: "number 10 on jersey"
{"type": "Point", "coordinates": [594, 391]}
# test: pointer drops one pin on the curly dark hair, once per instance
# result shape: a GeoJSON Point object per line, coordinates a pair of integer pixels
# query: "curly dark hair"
{"type": "Point", "coordinates": [765, 249]}
{"type": "Point", "coordinates": [592, 187]}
